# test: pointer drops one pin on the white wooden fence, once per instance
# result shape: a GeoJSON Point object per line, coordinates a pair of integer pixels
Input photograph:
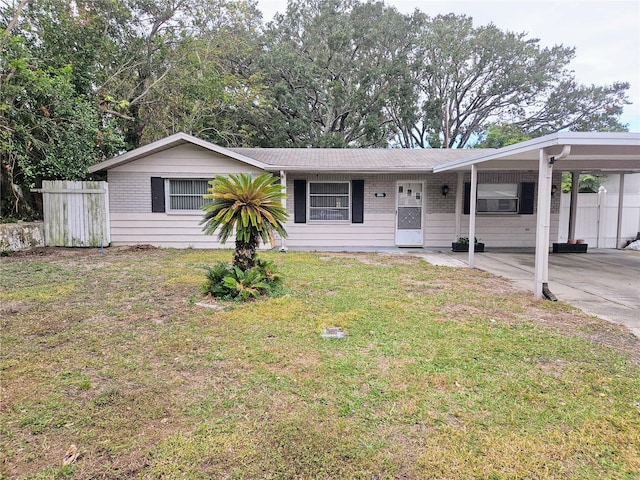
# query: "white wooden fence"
{"type": "Point", "coordinates": [76, 214]}
{"type": "Point", "coordinates": [597, 218]}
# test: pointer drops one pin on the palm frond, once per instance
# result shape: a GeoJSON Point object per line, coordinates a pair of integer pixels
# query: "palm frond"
{"type": "Point", "coordinates": [250, 208]}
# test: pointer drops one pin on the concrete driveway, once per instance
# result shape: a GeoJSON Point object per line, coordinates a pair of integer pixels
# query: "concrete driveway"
{"type": "Point", "coordinates": [601, 282]}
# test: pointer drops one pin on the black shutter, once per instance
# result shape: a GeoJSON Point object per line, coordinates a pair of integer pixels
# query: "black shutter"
{"type": "Point", "coordinates": [157, 194]}
{"type": "Point", "coordinates": [527, 195]}
{"type": "Point", "coordinates": [467, 198]}
{"type": "Point", "coordinates": [300, 201]}
{"type": "Point", "coordinates": [357, 201]}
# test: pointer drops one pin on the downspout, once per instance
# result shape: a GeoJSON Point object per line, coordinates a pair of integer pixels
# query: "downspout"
{"type": "Point", "coordinates": [566, 151]}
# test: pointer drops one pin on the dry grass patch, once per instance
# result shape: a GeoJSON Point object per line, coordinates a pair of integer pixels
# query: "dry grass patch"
{"type": "Point", "coordinates": [435, 379]}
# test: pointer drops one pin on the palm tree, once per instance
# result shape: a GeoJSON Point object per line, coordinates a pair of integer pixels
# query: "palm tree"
{"type": "Point", "coordinates": [252, 209]}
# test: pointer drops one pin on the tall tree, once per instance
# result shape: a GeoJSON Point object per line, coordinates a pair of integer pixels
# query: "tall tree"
{"type": "Point", "coordinates": [179, 65]}
{"type": "Point", "coordinates": [213, 79]}
{"type": "Point", "coordinates": [501, 135]}
{"type": "Point", "coordinates": [475, 76]}
{"type": "Point", "coordinates": [331, 67]}
{"type": "Point", "coordinates": [77, 77]}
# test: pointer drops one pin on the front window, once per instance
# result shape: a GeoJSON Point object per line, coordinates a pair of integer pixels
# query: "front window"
{"type": "Point", "coordinates": [329, 200]}
{"type": "Point", "coordinates": [497, 198]}
{"type": "Point", "coordinates": [186, 195]}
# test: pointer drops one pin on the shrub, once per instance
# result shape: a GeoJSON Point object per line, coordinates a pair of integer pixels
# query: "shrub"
{"type": "Point", "coordinates": [465, 240]}
{"type": "Point", "coordinates": [231, 283]}
{"type": "Point", "coordinates": [270, 272]}
{"type": "Point", "coordinates": [245, 285]}
{"type": "Point", "coordinates": [215, 280]}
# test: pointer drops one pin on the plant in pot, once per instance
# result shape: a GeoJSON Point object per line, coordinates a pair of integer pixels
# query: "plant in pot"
{"type": "Point", "coordinates": [462, 245]}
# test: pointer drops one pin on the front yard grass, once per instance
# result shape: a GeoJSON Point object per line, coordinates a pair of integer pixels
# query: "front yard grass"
{"type": "Point", "coordinates": [444, 373]}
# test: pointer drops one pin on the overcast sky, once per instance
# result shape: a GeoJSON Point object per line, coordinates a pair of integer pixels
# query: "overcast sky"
{"type": "Point", "coordinates": [605, 33]}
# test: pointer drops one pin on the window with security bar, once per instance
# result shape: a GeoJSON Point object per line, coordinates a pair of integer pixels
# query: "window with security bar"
{"type": "Point", "coordinates": [186, 194]}
{"type": "Point", "coordinates": [329, 201]}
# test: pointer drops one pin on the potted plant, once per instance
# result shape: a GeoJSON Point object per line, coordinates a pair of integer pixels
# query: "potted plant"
{"type": "Point", "coordinates": [462, 245]}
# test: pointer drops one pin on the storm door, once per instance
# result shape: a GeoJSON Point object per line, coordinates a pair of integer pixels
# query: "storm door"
{"type": "Point", "coordinates": [409, 224]}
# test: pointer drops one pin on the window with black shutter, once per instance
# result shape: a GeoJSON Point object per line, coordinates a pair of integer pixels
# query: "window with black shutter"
{"type": "Point", "coordinates": [501, 198]}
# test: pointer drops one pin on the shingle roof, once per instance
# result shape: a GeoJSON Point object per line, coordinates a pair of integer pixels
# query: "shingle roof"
{"type": "Point", "coordinates": [360, 159]}
{"type": "Point", "coordinates": [377, 160]}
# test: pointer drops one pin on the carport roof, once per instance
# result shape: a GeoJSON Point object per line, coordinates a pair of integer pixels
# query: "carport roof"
{"type": "Point", "coordinates": [590, 152]}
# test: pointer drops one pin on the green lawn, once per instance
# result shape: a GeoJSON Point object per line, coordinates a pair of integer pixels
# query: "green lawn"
{"type": "Point", "coordinates": [444, 373]}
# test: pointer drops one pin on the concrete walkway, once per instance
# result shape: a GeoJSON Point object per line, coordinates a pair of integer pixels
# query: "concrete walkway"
{"type": "Point", "coordinates": [602, 282]}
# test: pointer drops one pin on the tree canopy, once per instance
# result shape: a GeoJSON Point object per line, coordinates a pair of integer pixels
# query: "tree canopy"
{"type": "Point", "coordinates": [81, 81]}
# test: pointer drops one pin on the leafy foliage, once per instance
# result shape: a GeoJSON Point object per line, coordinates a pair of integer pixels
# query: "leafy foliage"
{"type": "Point", "coordinates": [82, 81]}
{"type": "Point", "coordinates": [231, 283]}
{"type": "Point", "coordinates": [477, 76]}
{"type": "Point", "coordinates": [587, 182]}
{"type": "Point", "coordinates": [333, 68]}
{"type": "Point", "coordinates": [50, 127]}
{"type": "Point", "coordinates": [244, 285]}
{"type": "Point", "coordinates": [249, 208]}
{"type": "Point", "coordinates": [501, 135]}
{"type": "Point", "coordinates": [182, 66]}
{"type": "Point", "coordinates": [270, 271]}
{"type": "Point", "coordinates": [465, 240]}
{"type": "Point", "coordinates": [215, 279]}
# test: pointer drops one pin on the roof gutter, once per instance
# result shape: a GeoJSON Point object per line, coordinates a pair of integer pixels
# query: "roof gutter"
{"type": "Point", "coordinates": [333, 169]}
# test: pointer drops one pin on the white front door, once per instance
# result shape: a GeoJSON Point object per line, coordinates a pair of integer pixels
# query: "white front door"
{"type": "Point", "coordinates": [409, 228]}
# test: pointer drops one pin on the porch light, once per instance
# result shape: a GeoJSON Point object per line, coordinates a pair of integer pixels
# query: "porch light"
{"type": "Point", "coordinates": [554, 189]}
{"type": "Point", "coordinates": [445, 190]}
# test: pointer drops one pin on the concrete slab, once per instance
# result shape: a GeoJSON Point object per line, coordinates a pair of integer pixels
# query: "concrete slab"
{"type": "Point", "coordinates": [441, 259]}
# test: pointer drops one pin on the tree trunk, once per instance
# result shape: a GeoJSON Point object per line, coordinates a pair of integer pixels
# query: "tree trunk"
{"type": "Point", "coordinates": [244, 256]}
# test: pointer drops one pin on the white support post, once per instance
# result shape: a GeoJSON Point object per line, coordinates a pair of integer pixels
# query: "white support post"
{"type": "Point", "coordinates": [573, 205]}
{"type": "Point", "coordinates": [620, 210]}
{"type": "Point", "coordinates": [459, 204]}
{"type": "Point", "coordinates": [283, 182]}
{"type": "Point", "coordinates": [543, 223]}
{"type": "Point", "coordinates": [472, 215]}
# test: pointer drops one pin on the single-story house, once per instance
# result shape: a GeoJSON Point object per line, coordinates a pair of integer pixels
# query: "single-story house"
{"type": "Point", "coordinates": [336, 197]}
{"type": "Point", "coordinates": [370, 197]}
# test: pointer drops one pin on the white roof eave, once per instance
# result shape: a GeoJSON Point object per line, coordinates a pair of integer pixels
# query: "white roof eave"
{"type": "Point", "coordinates": [169, 142]}
{"type": "Point", "coordinates": [528, 151]}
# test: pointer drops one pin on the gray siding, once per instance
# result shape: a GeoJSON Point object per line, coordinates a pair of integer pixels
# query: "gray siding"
{"type": "Point", "coordinates": [378, 229]}
{"type": "Point", "coordinates": [132, 221]}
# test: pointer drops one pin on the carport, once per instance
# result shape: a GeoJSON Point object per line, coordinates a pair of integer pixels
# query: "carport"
{"type": "Point", "coordinates": [575, 152]}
